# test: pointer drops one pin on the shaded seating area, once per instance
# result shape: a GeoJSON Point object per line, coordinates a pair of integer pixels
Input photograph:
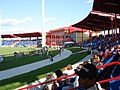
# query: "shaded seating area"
{"type": "Point", "coordinates": [21, 39]}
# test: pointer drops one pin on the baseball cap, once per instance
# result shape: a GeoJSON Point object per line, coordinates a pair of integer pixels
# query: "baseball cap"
{"type": "Point", "coordinates": [87, 71]}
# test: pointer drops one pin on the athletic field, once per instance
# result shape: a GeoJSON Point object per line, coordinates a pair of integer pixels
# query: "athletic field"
{"type": "Point", "coordinates": [11, 62]}
{"type": "Point", "coordinates": [11, 50]}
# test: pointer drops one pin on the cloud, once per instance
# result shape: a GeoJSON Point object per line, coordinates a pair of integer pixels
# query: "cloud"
{"type": "Point", "coordinates": [49, 19]}
{"type": "Point", "coordinates": [13, 22]}
{"type": "Point", "coordinates": [89, 1]}
{"type": "Point", "coordinates": [17, 30]}
{"type": "Point", "coordinates": [12, 30]}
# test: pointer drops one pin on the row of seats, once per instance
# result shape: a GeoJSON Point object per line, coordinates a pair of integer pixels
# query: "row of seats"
{"type": "Point", "coordinates": [17, 43]}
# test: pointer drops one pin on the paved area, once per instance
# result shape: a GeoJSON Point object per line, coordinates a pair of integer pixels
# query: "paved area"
{"type": "Point", "coordinates": [80, 51]}
{"type": "Point", "coordinates": [30, 67]}
{"type": "Point", "coordinates": [87, 58]}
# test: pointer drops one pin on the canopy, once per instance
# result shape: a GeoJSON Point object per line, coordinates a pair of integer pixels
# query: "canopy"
{"type": "Point", "coordinates": [101, 21]}
{"type": "Point", "coordinates": [25, 35]}
{"type": "Point", "coordinates": [110, 6]}
{"type": "Point", "coordinates": [96, 23]}
{"type": "Point", "coordinates": [8, 36]}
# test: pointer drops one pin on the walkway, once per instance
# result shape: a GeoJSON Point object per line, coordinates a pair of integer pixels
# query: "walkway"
{"type": "Point", "coordinates": [86, 59]}
{"type": "Point", "coordinates": [30, 67]}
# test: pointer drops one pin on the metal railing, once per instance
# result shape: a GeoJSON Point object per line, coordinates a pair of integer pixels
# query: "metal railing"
{"type": "Point", "coordinates": [54, 81]}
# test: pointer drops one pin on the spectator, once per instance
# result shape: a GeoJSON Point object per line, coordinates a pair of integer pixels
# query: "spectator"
{"type": "Point", "coordinates": [97, 60]}
{"type": "Point", "coordinates": [69, 70]}
{"type": "Point", "coordinates": [60, 51]}
{"type": "Point", "coordinates": [70, 82]}
{"type": "Point", "coordinates": [61, 83]}
{"type": "Point", "coordinates": [117, 55]}
{"type": "Point", "coordinates": [51, 57]}
{"type": "Point", "coordinates": [87, 77]}
{"type": "Point", "coordinates": [64, 83]}
{"type": "Point", "coordinates": [48, 86]}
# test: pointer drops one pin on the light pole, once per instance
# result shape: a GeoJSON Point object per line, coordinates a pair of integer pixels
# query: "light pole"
{"type": "Point", "coordinates": [0, 27]}
{"type": "Point", "coordinates": [43, 25]}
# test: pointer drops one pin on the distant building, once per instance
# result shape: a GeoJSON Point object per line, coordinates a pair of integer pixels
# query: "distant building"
{"type": "Point", "coordinates": [66, 34]}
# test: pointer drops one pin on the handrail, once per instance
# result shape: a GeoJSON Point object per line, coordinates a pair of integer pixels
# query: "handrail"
{"type": "Point", "coordinates": [109, 64]}
{"type": "Point", "coordinates": [63, 77]}
{"type": "Point", "coordinates": [100, 82]}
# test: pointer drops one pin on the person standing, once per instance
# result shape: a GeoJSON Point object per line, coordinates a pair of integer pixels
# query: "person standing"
{"type": "Point", "coordinates": [51, 57]}
{"type": "Point", "coordinates": [60, 50]}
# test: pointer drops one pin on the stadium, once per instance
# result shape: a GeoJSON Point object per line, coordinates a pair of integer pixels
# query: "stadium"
{"type": "Point", "coordinates": [83, 56]}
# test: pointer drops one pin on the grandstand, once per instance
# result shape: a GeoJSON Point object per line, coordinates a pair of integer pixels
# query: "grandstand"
{"type": "Point", "coordinates": [22, 39]}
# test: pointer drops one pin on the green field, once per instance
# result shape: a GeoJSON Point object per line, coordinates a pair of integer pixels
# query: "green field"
{"type": "Point", "coordinates": [10, 50]}
{"type": "Point", "coordinates": [11, 62]}
{"type": "Point", "coordinates": [75, 49]}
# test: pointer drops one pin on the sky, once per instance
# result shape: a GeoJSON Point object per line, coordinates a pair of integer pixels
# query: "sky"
{"type": "Point", "coordinates": [25, 16]}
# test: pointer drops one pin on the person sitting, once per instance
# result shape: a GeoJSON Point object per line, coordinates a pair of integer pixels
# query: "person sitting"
{"type": "Point", "coordinates": [48, 86]}
{"type": "Point", "coordinates": [69, 69]}
{"type": "Point", "coordinates": [97, 60]}
{"type": "Point", "coordinates": [59, 74]}
{"type": "Point", "coordinates": [64, 83]}
{"type": "Point", "coordinates": [87, 77]}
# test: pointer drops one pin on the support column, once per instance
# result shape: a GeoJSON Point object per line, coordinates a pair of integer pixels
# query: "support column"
{"type": "Point", "coordinates": [116, 23]}
{"type": "Point", "coordinates": [0, 30]}
{"type": "Point", "coordinates": [89, 34]}
{"type": "Point", "coordinates": [104, 32]}
{"type": "Point", "coordinates": [43, 25]}
{"type": "Point", "coordinates": [108, 32]}
{"type": "Point", "coordinates": [51, 40]}
{"type": "Point", "coordinates": [82, 35]}
{"type": "Point", "coordinates": [64, 36]}
{"type": "Point", "coordinates": [55, 39]}
{"type": "Point", "coordinates": [59, 39]}
{"type": "Point", "coordinates": [112, 26]}
{"type": "Point", "coordinates": [37, 41]}
{"type": "Point", "coordinates": [119, 30]}
{"type": "Point", "coordinates": [30, 40]}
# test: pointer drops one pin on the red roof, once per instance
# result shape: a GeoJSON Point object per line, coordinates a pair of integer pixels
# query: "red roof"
{"type": "Point", "coordinates": [8, 36]}
{"type": "Point", "coordinates": [33, 34]}
{"type": "Point", "coordinates": [56, 30]}
{"type": "Point", "coordinates": [74, 29]}
{"type": "Point", "coordinates": [110, 6]}
{"type": "Point", "coordinates": [96, 22]}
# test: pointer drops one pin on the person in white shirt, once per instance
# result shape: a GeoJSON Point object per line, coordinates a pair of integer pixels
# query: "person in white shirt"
{"type": "Point", "coordinates": [87, 77]}
{"type": "Point", "coordinates": [1, 59]}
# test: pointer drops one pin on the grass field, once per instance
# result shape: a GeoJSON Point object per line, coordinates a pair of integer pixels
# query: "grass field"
{"type": "Point", "coordinates": [74, 49]}
{"type": "Point", "coordinates": [17, 81]}
{"type": "Point", "coordinates": [10, 50]}
{"type": "Point", "coordinates": [11, 62]}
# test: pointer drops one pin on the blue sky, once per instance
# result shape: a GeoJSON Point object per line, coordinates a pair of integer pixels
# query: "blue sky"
{"type": "Point", "coordinates": [20, 16]}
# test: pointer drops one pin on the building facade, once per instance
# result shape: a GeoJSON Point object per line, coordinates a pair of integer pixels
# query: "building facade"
{"type": "Point", "coordinates": [66, 34]}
